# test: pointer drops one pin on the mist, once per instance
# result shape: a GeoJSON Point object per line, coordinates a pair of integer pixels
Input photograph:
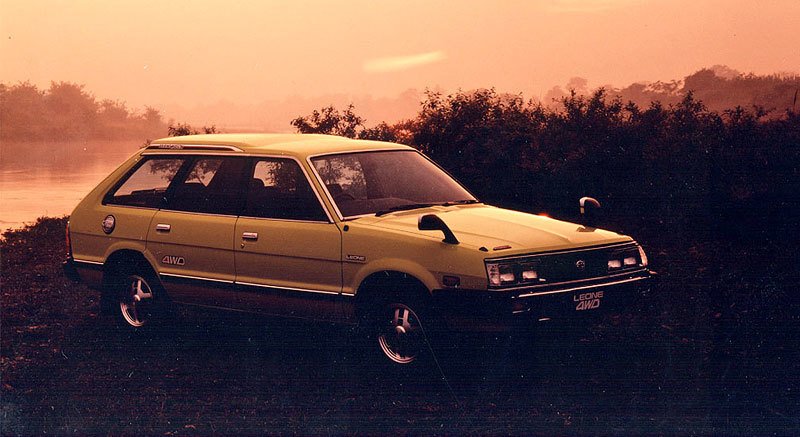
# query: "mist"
{"type": "Point", "coordinates": [191, 55]}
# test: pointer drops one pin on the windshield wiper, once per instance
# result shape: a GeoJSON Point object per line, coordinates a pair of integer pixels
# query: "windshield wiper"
{"type": "Point", "coordinates": [423, 205]}
{"type": "Point", "coordinates": [461, 202]}
{"type": "Point", "coordinates": [403, 208]}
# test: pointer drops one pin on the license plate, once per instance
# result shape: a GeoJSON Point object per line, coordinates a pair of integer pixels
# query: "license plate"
{"type": "Point", "coordinates": [587, 301]}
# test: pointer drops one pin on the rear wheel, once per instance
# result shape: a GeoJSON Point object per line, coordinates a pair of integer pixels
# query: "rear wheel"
{"type": "Point", "coordinates": [136, 302]}
{"type": "Point", "coordinates": [132, 297]}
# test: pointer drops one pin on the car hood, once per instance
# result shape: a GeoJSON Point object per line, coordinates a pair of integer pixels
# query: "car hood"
{"type": "Point", "coordinates": [495, 228]}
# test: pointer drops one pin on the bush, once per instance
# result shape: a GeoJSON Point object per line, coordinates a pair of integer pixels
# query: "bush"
{"type": "Point", "coordinates": [679, 169]}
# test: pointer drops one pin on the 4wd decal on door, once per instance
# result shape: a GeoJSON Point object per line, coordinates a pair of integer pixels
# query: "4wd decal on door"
{"type": "Point", "coordinates": [173, 260]}
{"type": "Point", "coordinates": [588, 301]}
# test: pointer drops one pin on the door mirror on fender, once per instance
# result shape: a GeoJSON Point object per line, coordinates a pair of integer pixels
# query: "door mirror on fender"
{"type": "Point", "coordinates": [589, 211]}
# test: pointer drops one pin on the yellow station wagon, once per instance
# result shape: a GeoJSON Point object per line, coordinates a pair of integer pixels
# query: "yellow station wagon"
{"type": "Point", "coordinates": [334, 229]}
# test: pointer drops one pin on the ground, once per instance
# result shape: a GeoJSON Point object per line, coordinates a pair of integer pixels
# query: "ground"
{"type": "Point", "coordinates": [713, 350]}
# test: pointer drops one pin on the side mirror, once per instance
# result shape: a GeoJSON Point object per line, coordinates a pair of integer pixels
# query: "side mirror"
{"type": "Point", "coordinates": [589, 205]}
{"type": "Point", "coordinates": [432, 222]}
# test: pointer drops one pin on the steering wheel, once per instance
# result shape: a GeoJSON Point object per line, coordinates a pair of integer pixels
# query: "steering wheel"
{"type": "Point", "coordinates": [343, 196]}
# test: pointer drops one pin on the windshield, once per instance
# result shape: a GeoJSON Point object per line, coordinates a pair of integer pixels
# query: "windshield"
{"type": "Point", "coordinates": [381, 182]}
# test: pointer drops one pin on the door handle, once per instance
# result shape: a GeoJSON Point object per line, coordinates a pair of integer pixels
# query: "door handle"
{"type": "Point", "coordinates": [163, 227]}
{"type": "Point", "coordinates": [250, 236]}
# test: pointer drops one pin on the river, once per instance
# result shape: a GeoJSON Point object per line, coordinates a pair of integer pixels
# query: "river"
{"type": "Point", "coordinates": [49, 179]}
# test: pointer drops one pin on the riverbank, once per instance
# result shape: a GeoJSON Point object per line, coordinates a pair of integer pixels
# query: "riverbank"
{"type": "Point", "coordinates": [714, 350]}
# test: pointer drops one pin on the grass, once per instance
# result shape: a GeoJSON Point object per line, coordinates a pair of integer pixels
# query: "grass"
{"type": "Point", "coordinates": [713, 350]}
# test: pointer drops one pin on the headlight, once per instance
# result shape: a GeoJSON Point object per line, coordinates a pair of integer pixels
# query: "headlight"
{"type": "Point", "coordinates": [506, 274]}
{"type": "Point", "coordinates": [629, 261]}
{"type": "Point", "coordinates": [529, 273]}
{"type": "Point", "coordinates": [628, 258]}
{"type": "Point", "coordinates": [512, 273]}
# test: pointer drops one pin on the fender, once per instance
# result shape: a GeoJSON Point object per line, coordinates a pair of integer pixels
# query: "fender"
{"type": "Point", "coordinates": [394, 264]}
{"type": "Point", "coordinates": [135, 246]}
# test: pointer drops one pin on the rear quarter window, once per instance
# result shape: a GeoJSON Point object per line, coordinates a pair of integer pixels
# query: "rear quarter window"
{"type": "Point", "coordinates": [147, 185]}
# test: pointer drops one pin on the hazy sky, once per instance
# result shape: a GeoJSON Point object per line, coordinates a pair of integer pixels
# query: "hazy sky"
{"type": "Point", "coordinates": [193, 52]}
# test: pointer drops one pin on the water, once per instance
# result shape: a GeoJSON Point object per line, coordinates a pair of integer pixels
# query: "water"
{"type": "Point", "coordinates": [49, 179]}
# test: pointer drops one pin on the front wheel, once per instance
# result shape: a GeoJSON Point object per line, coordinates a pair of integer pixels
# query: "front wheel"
{"type": "Point", "coordinates": [401, 334]}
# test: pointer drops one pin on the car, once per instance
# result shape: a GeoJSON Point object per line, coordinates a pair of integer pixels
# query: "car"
{"type": "Point", "coordinates": [334, 229]}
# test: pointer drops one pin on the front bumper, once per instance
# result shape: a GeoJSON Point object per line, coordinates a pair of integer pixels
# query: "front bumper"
{"type": "Point", "coordinates": [521, 308]}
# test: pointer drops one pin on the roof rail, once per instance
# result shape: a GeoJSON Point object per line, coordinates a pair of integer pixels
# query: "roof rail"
{"type": "Point", "coordinates": [192, 147]}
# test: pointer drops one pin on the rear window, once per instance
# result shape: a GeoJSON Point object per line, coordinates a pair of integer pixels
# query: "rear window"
{"type": "Point", "coordinates": [147, 185]}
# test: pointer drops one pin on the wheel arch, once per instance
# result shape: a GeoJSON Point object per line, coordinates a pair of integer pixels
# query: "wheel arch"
{"type": "Point", "coordinates": [131, 257]}
{"type": "Point", "coordinates": [390, 282]}
{"type": "Point", "coordinates": [394, 266]}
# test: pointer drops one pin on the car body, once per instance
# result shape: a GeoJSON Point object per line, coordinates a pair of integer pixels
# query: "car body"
{"type": "Point", "coordinates": [335, 229]}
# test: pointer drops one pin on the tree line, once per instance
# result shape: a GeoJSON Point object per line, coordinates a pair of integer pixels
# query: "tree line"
{"type": "Point", "coordinates": [719, 87]}
{"type": "Point", "coordinates": [66, 111]}
{"type": "Point", "coordinates": [677, 170]}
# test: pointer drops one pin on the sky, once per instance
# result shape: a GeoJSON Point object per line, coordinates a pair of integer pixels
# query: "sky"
{"type": "Point", "coordinates": [196, 52]}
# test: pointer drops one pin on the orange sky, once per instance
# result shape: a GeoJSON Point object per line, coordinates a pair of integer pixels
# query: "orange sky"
{"type": "Point", "coordinates": [195, 52]}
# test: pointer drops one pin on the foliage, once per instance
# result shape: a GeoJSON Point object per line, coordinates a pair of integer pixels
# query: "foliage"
{"type": "Point", "coordinates": [722, 88]}
{"type": "Point", "coordinates": [66, 111]}
{"type": "Point", "coordinates": [181, 129]}
{"type": "Point", "coordinates": [681, 169]}
{"type": "Point", "coordinates": [330, 121]}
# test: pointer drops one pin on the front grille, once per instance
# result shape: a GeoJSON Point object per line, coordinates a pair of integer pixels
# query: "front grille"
{"type": "Point", "coordinates": [574, 265]}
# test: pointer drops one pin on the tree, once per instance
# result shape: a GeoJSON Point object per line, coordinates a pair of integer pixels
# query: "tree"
{"type": "Point", "coordinates": [330, 121]}
{"type": "Point", "coordinates": [381, 132]}
{"type": "Point", "coordinates": [674, 167]}
{"type": "Point", "coordinates": [66, 111]}
{"type": "Point", "coordinates": [182, 129]}
{"type": "Point", "coordinates": [22, 110]}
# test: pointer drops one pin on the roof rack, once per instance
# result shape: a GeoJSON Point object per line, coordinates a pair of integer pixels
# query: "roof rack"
{"type": "Point", "coordinates": [192, 147]}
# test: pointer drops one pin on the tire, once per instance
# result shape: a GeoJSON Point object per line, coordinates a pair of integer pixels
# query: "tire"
{"type": "Point", "coordinates": [401, 330]}
{"type": "Point", "coordinates": [401, 334]}
{"type": "Point", "coordinates": [132, 298]}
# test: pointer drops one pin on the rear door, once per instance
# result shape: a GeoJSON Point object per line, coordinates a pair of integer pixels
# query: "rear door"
{"type": "Point", "coordinates": [192, 238]}
{"type": "Point", "coordinates": [288, 250]}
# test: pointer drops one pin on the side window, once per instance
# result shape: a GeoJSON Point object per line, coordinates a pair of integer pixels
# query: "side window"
{"type": "Point", "coordinates": [148, 184]}
{"type": "Point", "coordinates": [278, 189]}
{"type": "Point", "coordinates": [212, 185]}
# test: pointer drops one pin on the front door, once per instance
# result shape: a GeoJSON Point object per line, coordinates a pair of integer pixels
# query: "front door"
{"type": "Point", "coordinates": [288, 251]}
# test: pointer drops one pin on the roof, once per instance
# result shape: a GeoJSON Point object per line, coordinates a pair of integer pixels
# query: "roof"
{"type": "Point", "coordinates": [299, 145]}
